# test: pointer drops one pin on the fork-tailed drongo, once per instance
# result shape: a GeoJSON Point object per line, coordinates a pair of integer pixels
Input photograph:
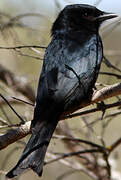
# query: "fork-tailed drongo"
{"type": "Point", "coordinates": [70, 69]}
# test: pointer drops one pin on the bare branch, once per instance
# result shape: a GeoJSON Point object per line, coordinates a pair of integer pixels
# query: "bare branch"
{"type": "Point", "coordinates": [14, 134]}
{"type": "Point", "coordinates": [111, 74]}
{"type": "Point", "coordinates": [100, 95]}
{"type": "Point", "coordinates": [74, 165]}
{"type": "Point", "coordinates": [78, 140]}
{"type": "Point", "coordinates": [66, 155]}
{"type": "Point", "coordinates": [24, 130]}
{"type": "Point", "coordinates": [20, 100]}
{"type": "Point", "coordinates": [23, 47]}
{"type": "Point", "coordinates": [27, 55]}
{"type": "Point", "coordinates": [108, 63]}
{"type": "Point", "coordinates": [22, 121]}
{"type": "Point", "coordinates": [106, 92]}
{"type": "Point", "coordinates": [99, 108]}
{"type": "Point", "coordinates": [114, 145]}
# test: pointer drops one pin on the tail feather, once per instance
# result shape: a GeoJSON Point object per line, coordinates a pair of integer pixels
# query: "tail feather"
{"type": "Point", "coordinates": [35, 150]}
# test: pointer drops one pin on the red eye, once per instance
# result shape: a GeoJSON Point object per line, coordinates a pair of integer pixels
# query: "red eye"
{"type": "Point", "coordinates": [85, 15]}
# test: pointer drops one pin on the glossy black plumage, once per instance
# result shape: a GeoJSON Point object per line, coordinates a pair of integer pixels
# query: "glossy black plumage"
{"type": "Point", "coordinates": [70, 69]}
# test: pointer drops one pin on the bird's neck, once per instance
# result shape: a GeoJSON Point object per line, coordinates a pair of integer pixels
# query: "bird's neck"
{"type": "Point", "coordinates": [81, 34]}
{"type": "Point", "coordinates": [78, 35]}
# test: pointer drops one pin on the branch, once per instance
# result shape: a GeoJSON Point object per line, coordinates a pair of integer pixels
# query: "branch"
{"type": "Point", "coordinates": [75, 165]}
{"type": "Point", "coordinates": [17, 133]}
{"type": "Point", "coordinates": [99, 108]}
{"type": "Point", "coordinates": [66, 155]}
{"type": "Point", "coordinates": [114, 145]}
{"type": "Point", "coordinates": [106, 92]}
{"type": "Point", "coordinates": [111, 74]}
{"type": "Point", "coordinates": [14, 135]}
{"type": "Point", "coordinates": [23, 47]}
{"type": "Point", "coordinates": [100, 95]}
{"type": "Point", "coordinates": [27, 55]}
{"type": "Point", "coordinates": [22, 121]}
{"type": "Point", "coordinates": [110, 65]}
{"type": "Point", "coordinates": [77, 140]}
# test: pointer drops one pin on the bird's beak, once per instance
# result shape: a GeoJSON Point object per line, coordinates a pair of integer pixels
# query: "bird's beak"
{"type": "Point", "coordinates": [106, 16]}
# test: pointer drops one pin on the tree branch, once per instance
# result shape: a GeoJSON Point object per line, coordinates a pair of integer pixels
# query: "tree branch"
{"type": "Point", "coordinates": [23, 47]}
{"type": "Point", "coordinates": [23, 130]}
{"type": "Point", "coordinates": [14, 135]}
{"type": "Point", "coordinates": [100, 95]}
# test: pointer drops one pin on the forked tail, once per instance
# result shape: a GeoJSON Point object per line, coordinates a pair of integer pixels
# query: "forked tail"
{"type": "Point", "coordinates": [35, 150]}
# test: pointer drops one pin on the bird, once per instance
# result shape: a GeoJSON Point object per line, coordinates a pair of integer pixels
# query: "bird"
{"type": "Point", "coordinates": [70, 69]}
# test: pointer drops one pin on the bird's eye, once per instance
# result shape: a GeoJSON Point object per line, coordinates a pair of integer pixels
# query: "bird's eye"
{"type": "Point", "coordinates": [85, 14]}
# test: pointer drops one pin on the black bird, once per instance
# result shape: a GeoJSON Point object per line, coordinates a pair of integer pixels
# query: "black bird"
{"type": "Point", "coordinates": [70, 69]}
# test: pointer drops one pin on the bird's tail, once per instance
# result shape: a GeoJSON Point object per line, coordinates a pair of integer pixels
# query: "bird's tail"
{"type": "Point", "coordinates": [35, 150]}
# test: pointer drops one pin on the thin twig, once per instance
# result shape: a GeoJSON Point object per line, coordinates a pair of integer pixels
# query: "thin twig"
{"type": "Point", "coordinates": [77, 140]}
{"type": "Point", "coordinates": [75, 165]}
{"type": "Point", "coordinates": [107, 106]}
{"type": "Point", "coordinates": [21, 100]}
{"type": "Point", "coordinates": [111, 74]}
{"type": "Point", "coordinates": [108, 63]}
{"type": "Point", "coordinates": [27, 55]}
{"type": "Point", "coordinates": [114, 145]}
{"type": "Point", "coordinates": [66, 155]}
{"type": "Point", "coordinates": [23, 46]}
{"type": "Point", "coordinates": [22, 121]}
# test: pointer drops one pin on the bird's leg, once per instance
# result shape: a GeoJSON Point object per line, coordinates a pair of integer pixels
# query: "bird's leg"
{"type": "Point", "coordinates": [95, 88]}
{"type": "Point", "coordinates": [102, 106]}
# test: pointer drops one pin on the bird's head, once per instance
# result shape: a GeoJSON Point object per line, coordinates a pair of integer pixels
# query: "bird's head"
{"type": "Point", "coordinates": [79, 17]}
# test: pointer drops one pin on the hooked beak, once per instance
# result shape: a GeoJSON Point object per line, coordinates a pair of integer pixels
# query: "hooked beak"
{"type": "Point", "coordinates": [106, 16]}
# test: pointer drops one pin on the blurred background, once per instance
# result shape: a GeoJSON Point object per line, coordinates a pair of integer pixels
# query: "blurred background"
{"type": "Point", "coordinates": [29, 23]}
